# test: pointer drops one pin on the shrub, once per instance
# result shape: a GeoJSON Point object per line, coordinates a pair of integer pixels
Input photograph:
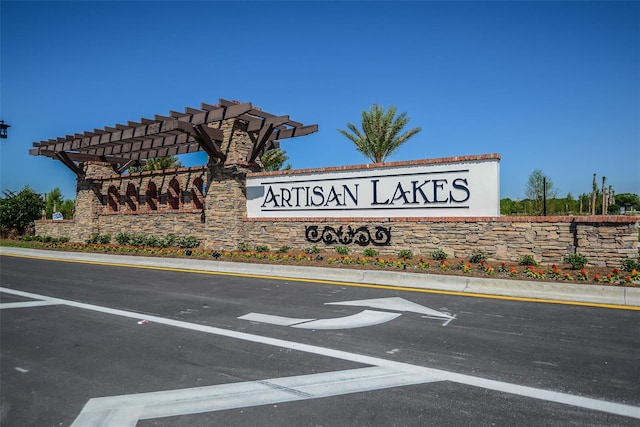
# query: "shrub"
{"type": "Point", "coordinates": [405, 254]}
{"type": "Point", "coordinates": [123, 238]}
{"type": "Point", "coordinates": [342, 250]}
{"type": "Point", "coordinates": [370, 252]}
{"type": "Point", "coordinates": [630, 264]}
{"type": "Point", "coordinates": [170, 240]}
{"type": "Point", "coordinates": [99, 239]}
{"type": "Point", "coordinates": [576, 260]}
{"type": "Point", "coordinates": [188, 242]}
{"type": "Point", "coordinates": [528, 260]}
{"type": "Point", "coordinates": [439, 255]}
{"type": "Point", "coordinates": [284, 249]}
{"type": "Point", "coordinates": [262, 248]}
{"type": "Point", "coordinates": [478, 256]}
{"type": "Point", "coordinates": [312, 249]}
{"type": "Point", "coordinates": [137, 240]}
{"type": "Point", "coordinates": [244, 247]}
{"type": "Point", "coordinates": [152, 241]}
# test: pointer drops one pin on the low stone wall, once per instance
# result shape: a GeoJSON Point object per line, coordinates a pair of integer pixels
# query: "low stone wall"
{"type": "Point", "coordinates": [60, 228]}
{"type": "Point", "coordinates": [160, 224]}
{"type": "Point", "coordinates": [604, 240]}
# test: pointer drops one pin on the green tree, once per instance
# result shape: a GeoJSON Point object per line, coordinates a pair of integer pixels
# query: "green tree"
{"type": "Point", "coordinates": [18, 210]}
{"type": "Point", "coordinates": [628, 201]}
{"type": "Point", "coordinates": [56, 203]}
{"type": "Point", "coordinates": [507, 206]}
{"type": "Point", "coordinates": [274, 160]}
{"type": "Point", "coordinates": [380, 135]}
{"type": "Point", "coordinates": [535, 189]}
{"type": "Point", "coordinates": [67, 208]}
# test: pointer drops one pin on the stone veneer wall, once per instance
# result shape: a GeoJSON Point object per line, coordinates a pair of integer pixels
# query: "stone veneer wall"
{"type": "Point", "coordinates": [604, 240]}
{"type": "Point", "coordinates": [221, 221]}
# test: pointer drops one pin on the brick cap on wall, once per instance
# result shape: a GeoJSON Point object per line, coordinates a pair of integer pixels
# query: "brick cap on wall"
{"type": "Point", "coordinates": [617, 219]}
{"type": "Point", "coordinates": [149, 173]}
{"type": "Point", "coordinates": [421, 162]}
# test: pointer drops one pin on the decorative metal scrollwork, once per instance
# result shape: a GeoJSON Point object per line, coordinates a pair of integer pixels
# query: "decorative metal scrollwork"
{"type": "Point", "coordinates": [360, 236]}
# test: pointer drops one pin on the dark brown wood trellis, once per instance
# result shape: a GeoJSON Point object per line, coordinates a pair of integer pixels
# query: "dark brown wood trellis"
{"type": "Point", "coordinates": [124, 146]}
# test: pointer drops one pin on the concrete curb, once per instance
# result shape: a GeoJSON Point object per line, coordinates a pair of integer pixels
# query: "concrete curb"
{"type": "Point", "coordinates": [569, 292]}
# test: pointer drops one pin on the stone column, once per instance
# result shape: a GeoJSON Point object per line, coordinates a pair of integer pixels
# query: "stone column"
{"type": "Point", "coordinates": [226, 199]}
{"type": "Point", "coordinates": [88, 201]}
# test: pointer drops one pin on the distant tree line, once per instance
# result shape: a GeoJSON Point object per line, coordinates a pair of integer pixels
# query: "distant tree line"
{"type": "Point", "coordinates": [541, 194]}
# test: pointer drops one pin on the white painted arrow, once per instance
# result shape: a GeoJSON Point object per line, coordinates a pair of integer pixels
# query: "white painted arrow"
{"type": "Point", "coordinates": [358, 320]}
{"type": "Point", "coordinates": [399, 304]}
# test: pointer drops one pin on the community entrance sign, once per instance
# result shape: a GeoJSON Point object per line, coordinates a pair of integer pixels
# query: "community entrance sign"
{"type": "Point", "coordinates": [468, 187]}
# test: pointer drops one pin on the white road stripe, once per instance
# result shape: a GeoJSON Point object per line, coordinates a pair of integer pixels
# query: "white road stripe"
{"type": "Point", "coordinates": [435, 374]}
{"type": "Point", "coordinates": [26, 304]}
{"type": "Point", "coordinates": [239, 395]}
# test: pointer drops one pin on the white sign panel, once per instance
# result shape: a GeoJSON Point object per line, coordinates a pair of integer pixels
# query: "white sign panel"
{"type": "Point", "coordinates": [424, 189]}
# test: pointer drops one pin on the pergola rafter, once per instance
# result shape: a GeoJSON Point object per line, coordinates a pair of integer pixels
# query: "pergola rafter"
{"type": "Point", "coordinates": [179, 133]}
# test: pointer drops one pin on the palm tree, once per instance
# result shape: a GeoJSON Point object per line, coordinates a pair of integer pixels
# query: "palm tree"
{"type": "Point", "coordinates": [162, 163]}
{"type": "Point", "coordinates": [274, 160]}
{"type": "Point", "coordinates": [380, 134]}
{"type": "Point", "coordinates": [158, 163]}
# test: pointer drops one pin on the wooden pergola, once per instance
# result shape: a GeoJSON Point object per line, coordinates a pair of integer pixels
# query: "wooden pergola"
{"type": "Point", "coordinates": [124, 146]}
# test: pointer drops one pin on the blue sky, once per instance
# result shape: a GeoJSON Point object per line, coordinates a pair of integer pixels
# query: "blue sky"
{"type": "Point", "coordinates": [550, 85]}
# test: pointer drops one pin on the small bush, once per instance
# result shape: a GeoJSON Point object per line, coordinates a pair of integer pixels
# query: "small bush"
{"type": "Point", "coordinates": [478, 256]}
{"type": "Point", "coordinates": [152, 241]}
{"type": "Point", "coordinates": [405, 254]}
{"type": "Point", "coordinates": [188, 242]}
{"type": "Point", "coordinates": [137, 240]}
{"type": "Point", "coordinates": [342, 250]}
{"type": "Point", "coordinates": [123, 238]}
{"type": "Point", "coordinates": [244, 247]}
{"type": "Point", "coordinates": [528, 260]}
{"type": "Point", "coordinates": [98, 239]}
{"type": "Point", "coordinates": [630, 264]}
{"type": "Point", "coordinates": [576, 260]}
{"type": "Point", "coordinates": [312, 249]}
{"type": "Point", "coordinates": [370, 252]}
{"type": "Point", "coordinates": [262, 248]}
{"type": "Point", "coordinates": [439, 255]}
{"type": "Point", "coordinates": [170, 240]}
{"type": "Point", "coordinates": [284, 249]}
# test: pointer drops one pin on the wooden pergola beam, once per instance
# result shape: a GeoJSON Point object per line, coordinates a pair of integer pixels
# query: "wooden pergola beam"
{"type": "Point", "coordinates": [268, 127]}
{"type": "Point", "coordinates": [64, 158]}
{"type": "Point", "coordinates": [177, 133]}
{"type": "Point", "coordinates": [210, 139]}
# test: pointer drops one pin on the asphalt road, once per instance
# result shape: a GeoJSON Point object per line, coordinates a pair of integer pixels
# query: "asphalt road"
{"type": "Point", "coordinates": [88, 344]}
